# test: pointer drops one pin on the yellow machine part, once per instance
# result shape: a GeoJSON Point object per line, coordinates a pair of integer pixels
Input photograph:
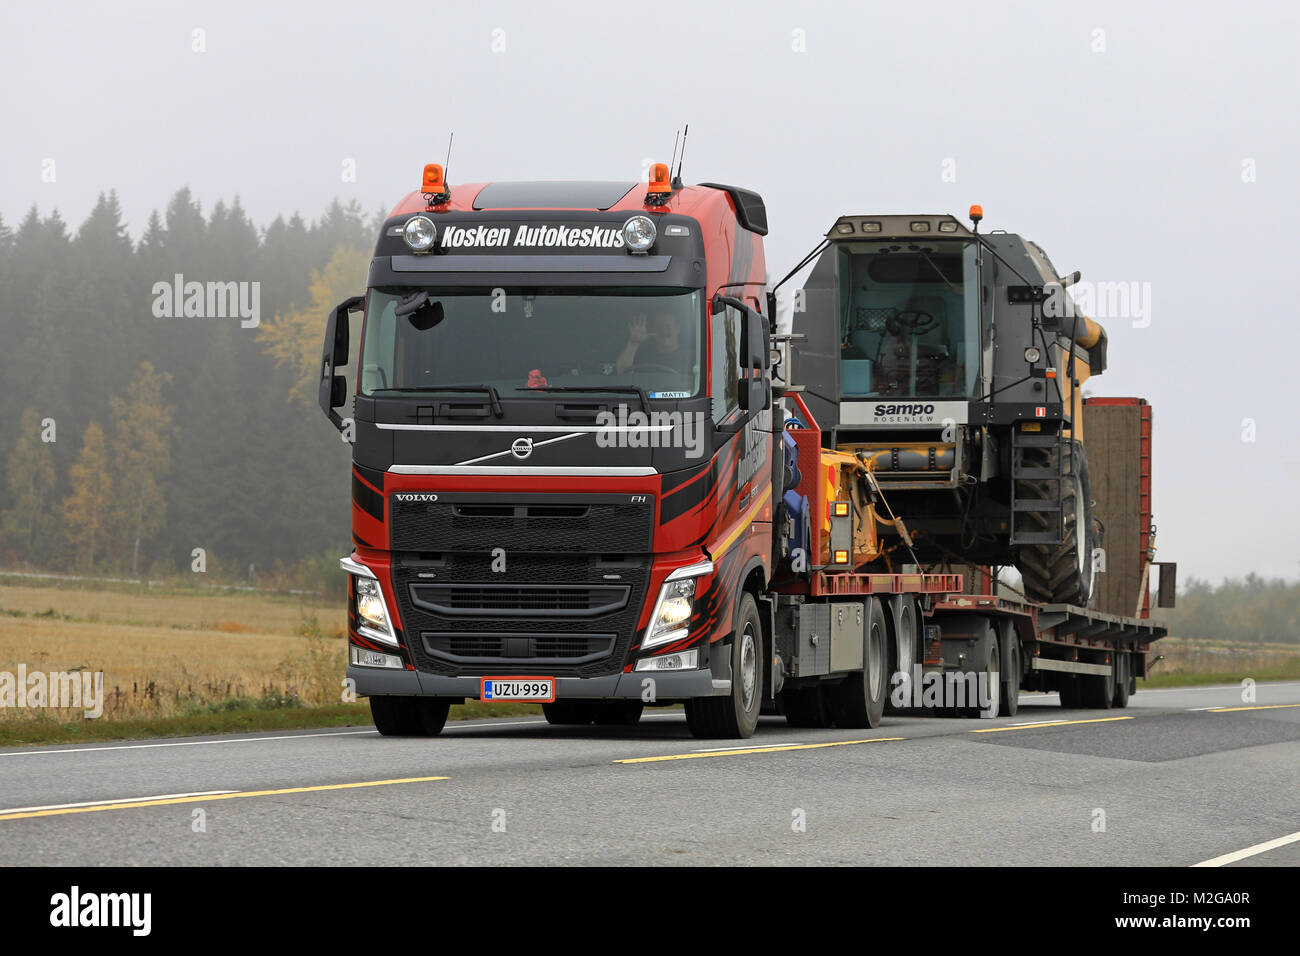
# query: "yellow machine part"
{"type": "Point", "coordinates": [839, 481]}
{"type": "Point", "coordinates": [913, 457]}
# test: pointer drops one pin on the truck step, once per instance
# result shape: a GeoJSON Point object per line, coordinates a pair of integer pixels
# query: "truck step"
{"type": "Point", "coordinates": [1036, 504]}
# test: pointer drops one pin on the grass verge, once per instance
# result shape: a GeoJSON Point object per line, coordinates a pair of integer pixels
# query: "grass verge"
{"type": "Point", "coordinates": [1289, 670]}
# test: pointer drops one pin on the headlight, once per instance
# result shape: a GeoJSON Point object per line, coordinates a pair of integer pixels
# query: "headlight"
{"type": "Point", "coordinates": [372, 612]}
{"type": "Point", "coordinates": [639, 233]}
{"type": "Point", "coordinates": [1032, 355]}
{"type": "Point", "coordinates": [420, 233]}
{"type": "Point", "coordinates": [672, 614]}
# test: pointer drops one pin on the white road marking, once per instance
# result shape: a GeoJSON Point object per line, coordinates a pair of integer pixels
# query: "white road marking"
{"type": "Point", "coordinates": [1255, 850]}
{"type": "Point", "coordinates": [179, 743]}
{"type": "Point", "coordinates": [99, 803]}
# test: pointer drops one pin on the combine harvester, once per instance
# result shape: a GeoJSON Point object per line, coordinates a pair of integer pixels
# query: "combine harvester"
{"type": "Point", "coordinates": [567, 486]}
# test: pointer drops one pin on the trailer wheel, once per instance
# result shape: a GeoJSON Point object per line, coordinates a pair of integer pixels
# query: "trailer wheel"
{"type": "Point", "coordinates": [409, 716]}
{"type": "Point", "coordinates": [1010, 670]}
{"type": "Point", "coordinates": [990, 676]}
{"type": "Point", "coordinates": [1061, 573]}
{"type": "Point", "coordinates": [859, 700]}
{"type": "Point", "coordinates": [1097, 691]}
{"type": "Point", "coordinates": [806, 707]}
{"type": "Point", "coordinates": [735, 715]}
{"type": "Point", "coordinates": [618, 713]}
{"type": "Point", "coordinates": [569, 713]}
{"type": "Point", "coordinates": [1068, 689]}
{"type": "Point", "coordinates": [1123, 668]}
{"type": "Point", "coordinates": [904, 649]}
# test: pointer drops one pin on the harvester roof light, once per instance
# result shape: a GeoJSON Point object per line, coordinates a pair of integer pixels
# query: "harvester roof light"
{"type": "Point", "coordinates": [948, 225]}
{"type": "Point", "coordinates": [844, 228]}
{"type": "Point", "coordinates": [871, 226]}
{"type": "Point", "coordinates": [420, 233]}
{"type": "Point", "coordinates": [639, 234]}
{"type": "Point", "coordinates": [976, 213]}
{"type": "Point", "coordinates": [919, 225]}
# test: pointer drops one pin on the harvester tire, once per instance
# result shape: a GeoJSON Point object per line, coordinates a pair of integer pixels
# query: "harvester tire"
{"type": "Point", "coordinates": [1061, 573]}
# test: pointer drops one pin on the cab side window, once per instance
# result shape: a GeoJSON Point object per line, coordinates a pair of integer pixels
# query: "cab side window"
{"type": "Point", "coordinates": [725, 348]}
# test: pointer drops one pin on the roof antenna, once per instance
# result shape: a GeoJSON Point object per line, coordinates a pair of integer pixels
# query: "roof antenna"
{"type": "Point", "coordinates": [677, 135]}
{"type": "Point", "coordinates": [677, 180]}
{"type": "Point", "coordinates": [446, 167]}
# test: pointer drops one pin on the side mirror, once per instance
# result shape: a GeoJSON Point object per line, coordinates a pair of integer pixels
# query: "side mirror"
{"type": "Point", "coordinates": [332, 389]}
{"type": "Point", "coordinates": [756, 385]}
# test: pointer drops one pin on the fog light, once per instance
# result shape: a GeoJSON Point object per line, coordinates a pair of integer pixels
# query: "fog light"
{"type": "Point", "coordinates": [420, 233]}
{"type": "Point", "coordinates": [639, 233]}
{"type": "Point", "coordinates": [365, 658]}
{"type": "Point", "coordinates": [681, 661]}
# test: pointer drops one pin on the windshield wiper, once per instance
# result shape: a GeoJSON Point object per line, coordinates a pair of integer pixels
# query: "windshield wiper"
{"type": "Point", "coordinates": [494, 397]}
{"type": "Point", "coordinates": [628, 389]}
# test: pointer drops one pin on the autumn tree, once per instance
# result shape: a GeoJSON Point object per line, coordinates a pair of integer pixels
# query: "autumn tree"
{"type": "Point", "coordinates": [88, 509]}
{"type": "Point", "coordinates": [294, 338]}
{"type": "Point", "coordinates": [142, 455]}
{"type": "Point", "coordinates": [29, 521]}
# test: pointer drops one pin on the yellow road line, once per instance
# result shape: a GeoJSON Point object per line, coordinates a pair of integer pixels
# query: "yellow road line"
{"type": "Point", "coordinates": [131, 805]}
{"type": "Point", "coordinates": [1228, 710]}
{"type": "Point", "coordinates": [1050, 723]}
{"type": "Point", "coordinates": [757, 750]}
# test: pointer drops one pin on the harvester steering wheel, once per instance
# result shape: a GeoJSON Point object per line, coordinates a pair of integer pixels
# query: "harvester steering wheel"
{"type": "Point", "coordinates": [912, 322]}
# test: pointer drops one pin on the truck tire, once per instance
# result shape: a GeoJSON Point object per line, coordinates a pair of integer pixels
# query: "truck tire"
{"type": "Point", "coordinates": [1096, 691]}
{"type": "Point", "coordinates": [1123, 673]}
{"type": "Point", "coordinates": [735, 715]}
{"type": "Point", "coordinates": [618, 713]}
{"type": "Point", "coordinates": [1061, 573]}
{"type": "Point", "coordinates": [1010, 663]}
{"type": "Point", "coordinates": [905, 650]}
{"type": "Point", "coordinates": [1068, 688]}
{"type": "Point", "coordinates": [409, 716]}
{"type": "Point", "coordinates": [989, 676]}
{"type": "Point", "coordinates": [569, 713]}
{"type": "Point", "coordinates": [859, 700]}
{"type": "Point", "coordinates": [806, 707]}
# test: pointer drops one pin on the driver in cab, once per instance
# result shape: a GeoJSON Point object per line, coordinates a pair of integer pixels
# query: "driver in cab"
{"type": "Point", "coordinates": [658, 342]}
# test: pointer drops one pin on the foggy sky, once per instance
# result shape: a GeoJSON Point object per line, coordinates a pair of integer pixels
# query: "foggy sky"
{"type": "Point", "coordinates": [1122, 152]}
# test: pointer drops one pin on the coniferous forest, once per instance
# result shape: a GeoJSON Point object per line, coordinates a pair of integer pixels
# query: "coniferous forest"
{"type": "Point", "coordinates": [146, 440]}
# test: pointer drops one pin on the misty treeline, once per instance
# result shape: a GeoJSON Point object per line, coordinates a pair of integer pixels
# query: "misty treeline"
{"type": "Point", "coordinates": [1250, 610]}
{"type": "Point", "coordinates": [131, 439]}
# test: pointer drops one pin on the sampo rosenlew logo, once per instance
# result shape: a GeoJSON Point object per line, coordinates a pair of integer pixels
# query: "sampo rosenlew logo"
{"type": "Point", "coordinates": [917, 409]}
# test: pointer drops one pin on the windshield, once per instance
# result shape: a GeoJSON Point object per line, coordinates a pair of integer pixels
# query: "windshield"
{"type": "Point", "coordinates": [528, 338]}
{"type": "Point", "coordinates": [909, 319]}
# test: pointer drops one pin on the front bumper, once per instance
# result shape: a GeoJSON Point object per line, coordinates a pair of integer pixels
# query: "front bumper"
{"type": "Point", "coordinates": [668, 685]}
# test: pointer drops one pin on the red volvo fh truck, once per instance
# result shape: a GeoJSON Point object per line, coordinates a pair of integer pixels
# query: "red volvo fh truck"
{"type": "Point", "coordinates": [575, 482]}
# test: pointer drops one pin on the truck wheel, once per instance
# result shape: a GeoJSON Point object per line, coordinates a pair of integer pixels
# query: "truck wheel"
{"type": "Point", "coordinates": [990, 677]}
{"type": "Point", "coordinates": [1123, 669]}
{"type": "Point", "coordinates": [1061, 573]}
{"type": "Point", "coordinates": [806, 707]}
{"type": "Point", "coordinates": [735, 715]}
{"type": "Point", "coordinates": [859, 700]}
{"type": "Point", "coordinates": [409, 716]}
{"type": "Point", "coordinates": [1096, 691]}
{"type": "Point", "coordinates": [618, 713]}
{"type": "Point", "coordinates": [904, 652]}
{"type": "Point", "coordinates": [1010, 669]}
{"type": "Point", "coordinates": [569, 713]}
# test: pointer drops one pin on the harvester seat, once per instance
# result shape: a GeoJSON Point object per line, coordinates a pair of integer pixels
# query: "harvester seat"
{"type": "Point", "coordinates": [933, 348]}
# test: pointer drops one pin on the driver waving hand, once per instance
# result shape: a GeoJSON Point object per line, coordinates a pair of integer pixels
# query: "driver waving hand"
{"type": "Point", "coordinates": [654, 343]}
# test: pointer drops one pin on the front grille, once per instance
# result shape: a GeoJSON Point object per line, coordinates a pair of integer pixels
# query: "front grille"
{"type": "Point", "coordinates": [513, 600]}
{"type": "Point", "coordinates": [576, 612]}
{"type": "Point", "coordinates": [609, 526]}
{"type": "Point", "coordinates": [538, 649]}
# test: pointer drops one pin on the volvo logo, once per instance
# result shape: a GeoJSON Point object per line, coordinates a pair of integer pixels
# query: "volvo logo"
{"type": "Point", "coordinates": [521, 448]}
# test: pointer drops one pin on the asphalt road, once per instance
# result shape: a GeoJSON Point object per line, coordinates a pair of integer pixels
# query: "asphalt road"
{"type": "Point", "coordinates": [1179, 778]}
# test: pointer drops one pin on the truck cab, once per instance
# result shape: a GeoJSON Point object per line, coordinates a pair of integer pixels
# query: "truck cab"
{"type": "Point", "coordinates": [562, 452]}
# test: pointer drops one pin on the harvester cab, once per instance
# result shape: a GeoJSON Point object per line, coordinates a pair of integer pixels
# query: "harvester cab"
{"type": "Point", "coordinates": [953, 361]}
